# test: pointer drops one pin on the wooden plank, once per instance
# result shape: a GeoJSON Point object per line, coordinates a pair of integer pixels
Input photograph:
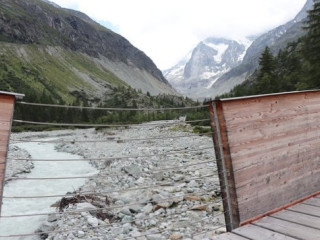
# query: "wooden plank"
{"type": "Point", "coordinates": [229, 236]}
{"type": "Point", "coordinates": [259, 233]}
{"type": "Point", "coordinates": [307, 209]}
{"type": "Point", "coordinates": [313, 201]}
{"type": "Point", "coordinates": [288, 228]}
{"type": "Point", "coordinates": [6, 98]}
{"type": "Point", "coordinates": [6, 111]}
{"type": "Point", "coordinates": [5, 126]}
{"type": "Point", "coordinates": [299, 218]}
{"type": "Point", "coordinates": [269, 104]}
{"type": "Point", "coordinates": [221, 149]}
{"type": "Point", "coordinates": [228, 164]}
{"type": "Point", "coordinates": [255, 204]}
{"type": "Point", "coordinates": [266, 173]}
{"type": "Point", "coordinates": [2, 155]}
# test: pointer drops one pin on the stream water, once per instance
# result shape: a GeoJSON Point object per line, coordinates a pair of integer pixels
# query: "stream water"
{"type": "Point", "coordinates": [47, 169]}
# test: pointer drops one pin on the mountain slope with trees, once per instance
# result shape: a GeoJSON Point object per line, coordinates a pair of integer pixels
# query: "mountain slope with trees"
{"type": "Point", "coordinates": [275, 39]}
{"type": "Point", "coordinates": [297, 67]}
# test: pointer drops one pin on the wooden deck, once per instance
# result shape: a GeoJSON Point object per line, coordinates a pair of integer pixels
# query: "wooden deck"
{"type": "Point", "coordinates": [301, 221]}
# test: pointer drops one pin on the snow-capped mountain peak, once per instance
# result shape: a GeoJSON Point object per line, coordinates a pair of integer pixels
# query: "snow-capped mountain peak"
{"type": "Point", "coordinates": [210, 59]}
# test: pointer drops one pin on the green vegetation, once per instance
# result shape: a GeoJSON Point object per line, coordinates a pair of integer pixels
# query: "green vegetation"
{"type": "Point", "coordinates": [120, 97]}
{"type": "Point", "coordinates": [297, 67]}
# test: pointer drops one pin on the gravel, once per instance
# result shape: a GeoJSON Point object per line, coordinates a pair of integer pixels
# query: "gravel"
{"type": "Point", "coordinates": [139, 199]}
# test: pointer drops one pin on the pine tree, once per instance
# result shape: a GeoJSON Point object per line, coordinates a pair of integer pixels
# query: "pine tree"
{"type": "Point", "coordinates": [266, 82]}
{"type": "Point", "coordinates": [312, 39]}
{"type": "Point", "coordinates": [267, 63]}
{"type": "Point", "coordinates": [311, 49]}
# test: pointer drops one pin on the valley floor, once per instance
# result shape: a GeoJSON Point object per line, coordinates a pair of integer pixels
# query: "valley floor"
{"type": "Point", "coordinates": [153, 183]}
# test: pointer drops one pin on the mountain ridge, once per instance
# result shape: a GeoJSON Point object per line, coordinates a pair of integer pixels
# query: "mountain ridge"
{"type": "Point", "coordinates": [211, 58]}
{"type": "Point", "coordinates": [276, 39]}
{"type": "Point", "coordinates": [43, 25]}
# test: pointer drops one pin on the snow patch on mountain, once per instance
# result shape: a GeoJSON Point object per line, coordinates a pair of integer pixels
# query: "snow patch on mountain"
{"type": "Point", "coordinates": [220, 48]}
{"type": "Point", "coordinates": [195, 74]}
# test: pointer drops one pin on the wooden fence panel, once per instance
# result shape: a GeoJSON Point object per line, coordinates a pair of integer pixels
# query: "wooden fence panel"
{"type": "Point", "coordinates": [273, 150]}
{"type": "Point", "coordinates": [6, 112]}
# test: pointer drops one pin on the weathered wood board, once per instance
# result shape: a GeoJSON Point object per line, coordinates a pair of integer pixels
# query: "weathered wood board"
{"type": "Point", "coordinates": [271, 150]}
{"type": "Point", "coordinates": [255, 232]}
{"type": "Point", "coordinates": [288, 228]}
{"type": "Point", "coordinates": [299, 218]}
{"type": "Point", "coordinates": [6, 112]}
{"type": "Point", "coordinates": [230, 236]}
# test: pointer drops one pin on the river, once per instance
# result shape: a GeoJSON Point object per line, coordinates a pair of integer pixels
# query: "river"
{"type": "Point", "coordinates": [47, 169]}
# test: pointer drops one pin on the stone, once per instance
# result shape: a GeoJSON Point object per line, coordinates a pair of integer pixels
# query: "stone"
{"type": "Point", "coordinates": [147, 209]}
{"type": "Point", "coordinates": [176, 236]}
{"type": "Point", "coordinates": [126, 228]}
{"type": "Point", "coordinates": [94, 222]}
{"type": "Point", "coordinates": [52, 217]}
{"type": "Point", "coordinates": [80, 234]}
{"type": "Point", "coordinates": [132, 170]}
{"type": "Point", "coordinates": [154, 237]}
{"type": "Point", "coordinates": [199, 207]}
{"type": "Point", "coordinates": [87, 207]}
{"type": "Point", "coordinates": [193, 184]}
{"type": "Point", "coordinates": [192, 198]}
{"type": "Point", "coordinates": [126, 211]}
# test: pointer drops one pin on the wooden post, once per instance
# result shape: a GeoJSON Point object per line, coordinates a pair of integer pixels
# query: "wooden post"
{"type": "Point", "coordinates": [7, 101]}
{"type": "Point", "coordinates": [224, 165]}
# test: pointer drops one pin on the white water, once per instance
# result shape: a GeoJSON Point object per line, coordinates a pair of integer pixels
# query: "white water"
{"type": "Point", "coordinates": [22, 225]}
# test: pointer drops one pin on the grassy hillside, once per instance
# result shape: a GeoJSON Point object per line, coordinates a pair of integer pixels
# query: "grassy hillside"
{"type": "Point", "coordinates": [61, 73]}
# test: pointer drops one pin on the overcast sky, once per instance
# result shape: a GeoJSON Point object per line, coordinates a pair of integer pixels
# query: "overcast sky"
{"type": "Point", "coordinates": [166, 30]}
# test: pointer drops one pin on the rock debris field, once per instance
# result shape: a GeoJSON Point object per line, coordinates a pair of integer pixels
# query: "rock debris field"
{"type": "Point", "coordinates": [152, 184]}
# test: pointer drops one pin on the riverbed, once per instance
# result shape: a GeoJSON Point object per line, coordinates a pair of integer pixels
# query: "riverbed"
{"type": "Point", "coordinates": [25, 188]}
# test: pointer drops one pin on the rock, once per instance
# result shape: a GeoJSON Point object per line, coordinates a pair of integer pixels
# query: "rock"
{"type": "Point", "coordinates": [88, 207]}
{"type": "Point", "coordinates": [94, 222]}
{"type": "Point", "coordinates": [221, 230]}
{"type": "Point", "coordinates": [199, 207]}
{"type": "Point", "coordinates": [176, 236]}
{"type": "Point", "coordinates": [162, 200]}
{"type": "Point", "coordinates": [155, 237]}
{"type": "Point", "coordinates": [126, 228]}
{"type": "Point", "coordinates": [80, 234]}
{"type": "Point", "coordinates": [147, 209]}
{"type": "Point", "coordinates": [192, 198]}
{"type": "Point", "coordinates": [126, 211]}
{"type": "Point", "coordinates": [52, 217]}
{"type": "Point", "coordinates": [159, 211]}
{"type": "Point", "coordinates": [193, 184]}
{"type": "Point", "coordinates": [132, 170]}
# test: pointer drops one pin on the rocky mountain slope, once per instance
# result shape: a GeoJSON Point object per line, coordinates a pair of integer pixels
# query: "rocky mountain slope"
{"type": "Point", "coordinates": [211, 58]}
{"type": "Point", "coordinates": [47, 48]}
{"type": "Point", "coordinates": [276, 39]}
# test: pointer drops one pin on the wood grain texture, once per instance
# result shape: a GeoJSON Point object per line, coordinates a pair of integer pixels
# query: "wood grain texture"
{"type": "Point", "coordinates": [306, 209]}
{"type": "Point", "coordinates": [300, 218]}
{"type": "Point", "coordinates": [288, 228]}
{"type": "Point", "coordinates": [313, 201]}
{"type": "Point", "coordinates": [229, 236]}
{"type": "Point", "coordinates": [256, 232]}
{"type": "Point", "coordinates": [273, 142]}
{"type": "Point", "coordinates": [6, 112]}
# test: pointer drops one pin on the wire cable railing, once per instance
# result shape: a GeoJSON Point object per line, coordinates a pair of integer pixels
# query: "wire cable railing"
{"type": "Point", "coordinates": [210, 172]}
{"type": "Point", "coordinates": [96, 227]}
{"type": "Point", "coordinates": [209, 134]}
{"type": "Point", "coordinates": [114, 158]}
{"type": "Point", "coordinates": [169, 122]}
{"type": "Point", "coordinates": [111, 109]}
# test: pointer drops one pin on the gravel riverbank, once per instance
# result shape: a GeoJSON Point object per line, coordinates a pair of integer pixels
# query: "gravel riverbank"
{"type": "Point", "coordinates": [171, 191]}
